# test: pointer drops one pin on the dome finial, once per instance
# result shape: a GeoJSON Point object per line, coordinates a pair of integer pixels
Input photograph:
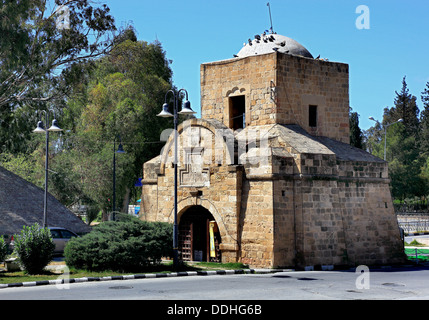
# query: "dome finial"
{"type": "Point", "coordinates": [271, 20]}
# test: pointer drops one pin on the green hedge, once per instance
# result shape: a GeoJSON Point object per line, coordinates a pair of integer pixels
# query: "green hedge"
{"type": "Point", "coordinates": [3, 249]}
{"type": "Point", "coordinates": [34, 248]}
{"type": "Point", "coordinates": [127, 244]}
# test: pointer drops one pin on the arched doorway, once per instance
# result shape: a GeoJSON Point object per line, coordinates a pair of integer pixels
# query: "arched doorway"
{"type": "Point", "coordinates": [199, 236]}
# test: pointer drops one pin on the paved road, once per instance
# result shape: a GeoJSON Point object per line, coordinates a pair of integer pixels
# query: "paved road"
{"type": "Point", "coordinates": [416, 237]}
{"type": "Point", "coordinates": [390, 284]}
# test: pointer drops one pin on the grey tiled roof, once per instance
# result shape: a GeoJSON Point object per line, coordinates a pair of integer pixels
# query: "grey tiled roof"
{"type": "Point", "coordinates": [21, 203]}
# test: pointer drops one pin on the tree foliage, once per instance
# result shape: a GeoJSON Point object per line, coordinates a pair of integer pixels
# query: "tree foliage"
{"type": "Point", "coordinates": [424, 122]}
{"type": "Point", "coordinates": [406, 144]}
{"type": "Point", "coordinates": [42, 61]}
{"type": "Point", "coordinates": [119, 104]}
{"type": "Point", "coordinates": [101, 100]}
{"type": "Point", "coordinates": [38, 54]}
{"type": "Point", "coordinates": [3, 249]}
{"type": "Point", "coordinates": [356, 134]}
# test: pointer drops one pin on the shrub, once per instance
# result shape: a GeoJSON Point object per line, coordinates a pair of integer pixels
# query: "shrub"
{"type": "Point", "coordinates": [34, 248]}
{"type": "Point", "coordinates": [415, 243]}
{"type": "Point", "coordinates": [127, 244]}
{"type": "Point", "coordinates": [3, 249]}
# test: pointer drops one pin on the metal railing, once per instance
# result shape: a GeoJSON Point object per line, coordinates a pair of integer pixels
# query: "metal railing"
{"type": "Point", "coordinates": [414, 223]}
{"type": "Point", "coordinates": [417, 254]}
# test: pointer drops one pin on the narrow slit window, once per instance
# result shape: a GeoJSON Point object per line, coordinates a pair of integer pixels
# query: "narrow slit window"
{"type": "Point", "coordinates": [312, 116]}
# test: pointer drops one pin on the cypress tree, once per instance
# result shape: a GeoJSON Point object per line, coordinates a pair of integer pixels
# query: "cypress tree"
{"type": "Point", "coordinates": [424, 121]}
{"type": "Point", "coordinates": [356, 135]}
{"type": "Point", "coordinates": [406, 109]}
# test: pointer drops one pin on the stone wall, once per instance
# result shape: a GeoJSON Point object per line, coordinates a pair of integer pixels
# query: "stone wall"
{"type": "Point", "coordinates": [302, 82]}
{"type": "Point", "coordinates": [220, 194]}
{"type": "Point", "coordinates": [250, 77]}
{"type": "Point", "coordinates": [336, 220]}
{"type": "Point", "coordinates": [257, 223]}
{"type": "Point", "coordinates": [370, 224]}
{"type": "Point", "coordinates": [293, 207]}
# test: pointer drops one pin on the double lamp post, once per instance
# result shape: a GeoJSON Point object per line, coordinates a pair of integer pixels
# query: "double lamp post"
{"type": "Point", "coordinates": [55, 128]}
{"type": "Point", "coordinates": [40, 129]}
{"type": "Point", "coordinates": [165, 113]}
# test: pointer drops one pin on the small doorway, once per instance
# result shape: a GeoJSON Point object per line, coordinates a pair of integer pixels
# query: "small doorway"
{"type": "Point", "coordinates": [199, 236]}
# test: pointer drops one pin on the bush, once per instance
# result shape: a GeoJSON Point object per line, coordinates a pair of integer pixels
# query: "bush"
{"type": "Point", "coordinates": [415, 243]}
{"type": "Point", "coordinates": [3, 249]}
{"type": "Point", "coordinates": [127, 244]}
{"type": "Point", "coordinates": [34, 248]}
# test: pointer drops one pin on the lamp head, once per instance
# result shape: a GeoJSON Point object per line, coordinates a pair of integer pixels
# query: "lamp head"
{"type": "Point", "coordinates": [40, 128]}
{"type": "Point", "coordinates": [165, 113]}
{"type": "Point", "coordinates": [120, 149]}
{"type": "Point", "coordinates": [187, 108]}
{"type": "Point", "coordinates": [55, 126]}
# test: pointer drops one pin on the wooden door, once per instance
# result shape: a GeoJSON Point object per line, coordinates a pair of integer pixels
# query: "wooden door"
{"type": "Point", "coordinates": [185, 240]}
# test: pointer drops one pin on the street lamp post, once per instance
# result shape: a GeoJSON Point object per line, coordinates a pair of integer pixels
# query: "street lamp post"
{"type": "Point", "coordinates": [385, 132]}
{"type": "Point", "coordinates": [186, 109]}
{"type": "Point", "coordinates": [40, 129]}
{"type": "Point", "coordinates": [120, 150]}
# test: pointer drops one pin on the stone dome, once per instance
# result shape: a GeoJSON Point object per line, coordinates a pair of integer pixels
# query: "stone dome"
{"type": "Point", "coordinates": [268, 43]}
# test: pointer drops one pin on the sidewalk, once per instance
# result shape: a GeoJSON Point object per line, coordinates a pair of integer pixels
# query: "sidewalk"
{"type": "Point", "coordinates": [60, 266]}
{"type": "Point", "coordinates": [64, 280]}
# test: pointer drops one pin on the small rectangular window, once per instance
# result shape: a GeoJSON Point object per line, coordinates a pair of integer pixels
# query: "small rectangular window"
{"type": "Point", "coordinates": [237, 112]}
{"type": "Point", "coordinates": [312, 116]}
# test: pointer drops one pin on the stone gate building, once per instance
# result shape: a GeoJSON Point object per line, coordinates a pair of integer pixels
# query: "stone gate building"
{"type": "Point", "coordinates": [267, 177]}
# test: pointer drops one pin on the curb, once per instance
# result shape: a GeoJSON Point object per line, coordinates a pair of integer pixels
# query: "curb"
{"type": "Point", "coordinates": [410, 234]}
{"type": "Point", "coordinates": [140, 276]}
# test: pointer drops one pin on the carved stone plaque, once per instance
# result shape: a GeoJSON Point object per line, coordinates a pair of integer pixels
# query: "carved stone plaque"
{"type": "Point", "coordinates": [194, 175]}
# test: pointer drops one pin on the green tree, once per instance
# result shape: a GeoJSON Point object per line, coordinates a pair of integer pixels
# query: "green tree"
{"type": "Point", "coordinates": [374, 140]}
{"type": "Point", "coordinates": [402, 145]}
{"type": "Point", "coordinates": [124, 93]}
{"type": "Point", "coordinates": [3, 249]}
{"type": "Point", "coordinates": [356, 134]}
{"type": "Point", "coordinates": [405, 107]}
{"type": "Point", "coordinates": [424, 138]}
{"type": "Point", "coordinates": [38, 52]}
{"type": "Point", "coordinates": [424, 121]}
{"type": "Point", "coordinates": [42, 60]}
{"type": "Point", "coordinates": [23, 166]}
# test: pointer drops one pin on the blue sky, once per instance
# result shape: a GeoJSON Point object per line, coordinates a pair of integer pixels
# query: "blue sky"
{"type": "Point", "coordinates": [198, 31]}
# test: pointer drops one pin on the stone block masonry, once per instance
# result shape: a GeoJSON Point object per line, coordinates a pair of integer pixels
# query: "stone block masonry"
{"type": "Point", "coordinates": [279, 88]}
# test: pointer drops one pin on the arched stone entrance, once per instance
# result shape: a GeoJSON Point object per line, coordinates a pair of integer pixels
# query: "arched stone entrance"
{"type": "Point", "coordinates": [199, 236]}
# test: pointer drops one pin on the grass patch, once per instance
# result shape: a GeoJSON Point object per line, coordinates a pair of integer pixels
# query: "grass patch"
{"type": "Point", "coordinates": [415, 243]}
{"type": "Point", "coordinates": [413, 251]}
{"type": "Point", "coordinates": [420, 258]}
{"type": "Point", "coordinates": [21, 276]}
{"type": "Point", "coordinates": [220, 266]}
